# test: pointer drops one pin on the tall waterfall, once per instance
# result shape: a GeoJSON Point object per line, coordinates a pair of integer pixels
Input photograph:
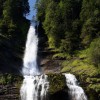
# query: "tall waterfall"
{"type": "Point", "coordinates": [35, 86]}
{"type": "Point", "coordinates": [30, 57]}
{"type": "Point", "coordinates": [75, 91]}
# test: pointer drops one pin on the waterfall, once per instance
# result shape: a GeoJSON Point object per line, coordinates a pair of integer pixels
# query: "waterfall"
{"type": "Point", "coordinates": [30, 57]}
{"type": "Point", "coordinates": [35, 86]}
{"type": "Point", "coordinates": [75, 91]}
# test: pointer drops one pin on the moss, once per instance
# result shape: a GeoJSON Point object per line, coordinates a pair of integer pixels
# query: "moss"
{"type": "Point", "coordinates": [10, 79]}
{"type": "Point", "coordinates": [57, 82]}
{"type": "Point", "coordinates": [80, 67]}
{"type": "Point", "coordinates": [61, 56]}
{"type": "Point", "coordinates": [93, 80]}
{"type": "Point", "coordinates": [95, 87]}
{"type": "Point", "coordinates": [88, 74]}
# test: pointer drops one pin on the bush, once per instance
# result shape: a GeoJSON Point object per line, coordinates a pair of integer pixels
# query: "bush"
{"type": "Point", "coordinates": [94, 52]}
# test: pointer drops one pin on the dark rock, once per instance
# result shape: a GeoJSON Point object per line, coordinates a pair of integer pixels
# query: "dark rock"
{"type": "Point", "coordinates": [10, 89]}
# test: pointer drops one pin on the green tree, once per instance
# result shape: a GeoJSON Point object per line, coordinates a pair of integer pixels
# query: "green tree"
{"type": "Point", "coordinates": [94, 52]}
{"type": "Point", "coordinates": [1, 7]}
{"type": "Point", "coordinates": [15, 9]}
{"type": "Point", "coordinates": [60, 19]}
{"type": "Point", "coordinates": [90, 18]}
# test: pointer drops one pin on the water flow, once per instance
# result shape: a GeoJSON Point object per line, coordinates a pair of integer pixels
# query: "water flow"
{"type": "Point", "coordinates": [30, 57]}
{"type": "Point", "coordinates": [35, 86]}
{"type": "Point", "coordinates": [75, 91]}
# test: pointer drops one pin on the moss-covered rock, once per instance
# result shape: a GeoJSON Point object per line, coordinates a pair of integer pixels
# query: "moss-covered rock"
{"type": "Point", "coordinates": [10, 79]}
{"type": "Point", "coordinates": [9, 86]}
{"type": "Point", "coordinates": [57, 82]}
{"type": "Point", "coordinates": [57, 87]}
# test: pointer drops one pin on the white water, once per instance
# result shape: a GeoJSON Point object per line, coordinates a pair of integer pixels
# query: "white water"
{"type": "Point", "coordinates": [35, 86]}
{"type": "Point", "coordinates": [75, 91]}
{"type": "Point", "coordinates": [30, 57]}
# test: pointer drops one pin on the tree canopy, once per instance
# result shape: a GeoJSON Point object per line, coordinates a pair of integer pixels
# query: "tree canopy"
{"type": "Point", "coordinates": [69, 24]}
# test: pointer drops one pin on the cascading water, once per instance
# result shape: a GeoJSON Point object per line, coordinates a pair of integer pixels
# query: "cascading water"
{"type": "Point", "coordinates": [30, 57]}
{"type": "Point", "coordinates": [35, 86]}
{"type": "Point", "coordinates": [75, 91]}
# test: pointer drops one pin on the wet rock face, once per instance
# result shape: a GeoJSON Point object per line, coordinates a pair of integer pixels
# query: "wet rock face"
{"type": "Point", "coordinates": [60, 95]}
{"type": "Point", "coordinates": [10, 86]}
{"type": "Point", "coordinates": [9, 92]}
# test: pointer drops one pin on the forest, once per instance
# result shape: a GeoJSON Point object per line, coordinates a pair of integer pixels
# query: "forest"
{"type": "Point", "coordinates": [13, 29]}
{"type": "Point", "coordinates": [72, 28]}
{"type": "Point", "coordinates": [71, 31]}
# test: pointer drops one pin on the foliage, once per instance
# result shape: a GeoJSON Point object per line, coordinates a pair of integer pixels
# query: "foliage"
{"type": "Point", "coordinates": [61, 56]}
{"type": "Point", "coordinates": [69, 25]}
{"type": "Point", "coordinates": [94, 52]}
{"type": "Point", "coordinates": [86, 72]}
{"type": "Point", "coordinates": [73, 30]}
{"type": "Point", "coordinates": [90, 19]}
{"type": "Point", "coordinates": [12, 12]}
{"type": "Point", "coordinates": [60, 21]}
{"type": "Point", "coordinates": [57, 79]}
{"type": "Point", "coordinates": [12, 36]}
{"type": "Point", "coordinates": [8, 79]}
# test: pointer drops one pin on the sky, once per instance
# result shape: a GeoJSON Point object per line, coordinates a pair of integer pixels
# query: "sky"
{"type": "Point", "coordinates": [32, 11]}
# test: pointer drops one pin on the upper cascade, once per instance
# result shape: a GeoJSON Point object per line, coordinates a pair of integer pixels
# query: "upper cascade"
{"type": "Point", "coordinates": [30, 66]}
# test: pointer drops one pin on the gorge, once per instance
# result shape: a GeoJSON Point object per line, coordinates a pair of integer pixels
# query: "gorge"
{"type": "Point", "coordinates": [35, 85]}
{"type": "Point", "coordinates": [61, 58]}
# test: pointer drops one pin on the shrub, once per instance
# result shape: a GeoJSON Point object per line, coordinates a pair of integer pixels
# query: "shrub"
{"type": "Point", "coordinates": [94, 52]}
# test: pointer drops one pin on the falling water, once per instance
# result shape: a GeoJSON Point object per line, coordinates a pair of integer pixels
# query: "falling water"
{"type": "Point", "coordinates": [75, 91]}
{"type": "Point", "coordinates": [30, 57]}
{"type": "Point", "coordinates": [35, 86]}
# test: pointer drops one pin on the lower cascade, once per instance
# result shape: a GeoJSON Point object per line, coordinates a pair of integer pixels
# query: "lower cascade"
{"type": "Point", "coordinates": [35, 86]}
{"type": "Point", "coordinates": [75, 91]}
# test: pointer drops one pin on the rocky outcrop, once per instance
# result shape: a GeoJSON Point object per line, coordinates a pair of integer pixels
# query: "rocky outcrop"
{"type": "Point", "coordinates": [57, 83]}
{"type": "Point", "coordinates": [58, 89]}
{"type": "Point", "coordinates": [10, 86]}
{"type": "Point", "coordinates": [9, 92]}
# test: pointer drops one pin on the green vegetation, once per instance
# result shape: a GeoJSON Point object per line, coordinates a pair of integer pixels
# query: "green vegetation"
{"type": "Point", "coordinates": [73, 31]}
{"type": "Point", "coordinates": [60, 20]}
{"type": "Point", "coordinates": [10, 79]}
{"type": "Point", "coordinates": [86, 71]}
{"type": "Point", "coordinates": [57, 82]}
{"type": "Point", "coordinates": [94, 52]}
{"type": "Point", "coordinates": [13, 30]}
{"type": "Point", "coordinates": [12, 19]}
{"type": "Point", "coordinates": [69, 25]}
